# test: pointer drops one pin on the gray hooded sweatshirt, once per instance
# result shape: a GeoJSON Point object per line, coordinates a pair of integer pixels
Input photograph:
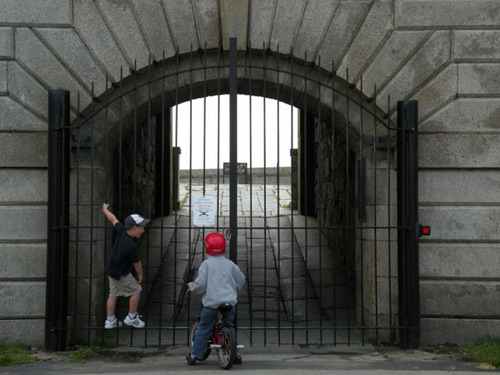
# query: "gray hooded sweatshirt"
{"type": "Point", "coordinates": [218, 280]}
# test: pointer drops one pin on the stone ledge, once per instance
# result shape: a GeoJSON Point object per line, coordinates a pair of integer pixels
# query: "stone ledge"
{"type": "Point", "coordinates": [34, 150]}
{"type": "Point", "coordinates": [458, 186]}
{"type": "Point", "coordinates": [25, 331]}
{"type": "Point", "coordinates": [461, 223]}
{"type": "Point", "coordinates": [459, 260]}
{"type": "Point", "coordinates": [23, 223]}
{"type": "Point", "coordinates": [6, 43]}
{"type": "Point", "coordinates": [459, 298]}
{"type": "Point", "coordinates": [459, 150]}
{"type": "Point", "coordinates": [476, 44]}
{"type": "Point", "coordinates": [22, 299]}
{"type": "Point", "coordinates": [23, 261]}
{"type": "Point", "coordinates": [36, 12]}
{"type": "Point", "coordinates": [459, 331]}
{"type": "Point", "coordinates": [448, 13]}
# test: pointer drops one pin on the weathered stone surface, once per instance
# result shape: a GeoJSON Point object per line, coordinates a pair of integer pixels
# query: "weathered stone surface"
{"type": "Point", "coordinates": [261, 22]}
{"type": "Point", "coordinates": [153, 22]}
{"type": "Point", "coordinates": [120, 18]}
{"type": "Point", "coordinates": [30, 331]}
{"type": "Point", "coordinates": [430, 58]}
{"type": "Point", "coordinates": [459, 298]}
{"type": "Point", "coordinates": [23, 185]}
{"type": "Point", "coordinates": [436, 13]}
{"type": "Point", "coordinates": [286, 24]}
{"type": "Point", "coordinates": [458, 186]}
{"type": "Point", "coordinates": [374, 30]}
{"type": "Point", "coordinates": [458, 150]}
{"type": "Point", "coordinates": [340, 34]}
{"type": "Point", "coordinates": [33, 145]}
{"type": "Point", "coordinates": [35, 56]}
{"type": "Point", "coordinates": [72, 51]}
{"type": "Point", "coordinates": [3, 77]}
{"type": "Point", "coordinates": [33, 12]}
{"type": "Point", "coordinates": [476, 260]}
{"type": "Point", "coordinates": [466, 115]}
{"type": "Point", "coordinates": [438, 91]}
{"type": "Point", "coordinates": [23, 223]}
{"type": "Point", "coordinates": [315, 21]}
{"type": "Point", "coordinates": [479, 79]}
{"type": "Point", "coordinates": [182, 24]}
{"type": "Point", "coordinates": [234, 20]}
{"type": "Point", "coordinates": [6, 43]}
{"type": "Point", "coordinates": [206, 15]}
{"type": "Point", "coordinates": [26, 260]}
{"type": "Point", "coordinates": [91, 27]}
{"type": "Point", "coordinates": [476, 44]}
{"type": "Point", "coordinates": [26, 89]}
{"type": "Point", "coordinates": [462, 223]}
{"type": "Point", "coordinates": [22, 299]}
{"type": "Point", "coordinates": [399, 46]}
{"type": "Point", "coordinates": [459, 331]}
{"type": "Point", "coordinates": [16, 117]}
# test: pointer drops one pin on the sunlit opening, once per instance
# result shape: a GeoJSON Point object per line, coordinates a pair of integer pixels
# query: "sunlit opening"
{"type": "Point", "coordinates": [201, 130]}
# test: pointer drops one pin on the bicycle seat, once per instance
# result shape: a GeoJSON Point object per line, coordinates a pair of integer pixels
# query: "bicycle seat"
{"type": "Point", "coordinates": [224, 308]}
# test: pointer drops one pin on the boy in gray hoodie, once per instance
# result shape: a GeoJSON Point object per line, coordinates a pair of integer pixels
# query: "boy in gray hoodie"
{"type": "Point", "coordinates": [218, 280]}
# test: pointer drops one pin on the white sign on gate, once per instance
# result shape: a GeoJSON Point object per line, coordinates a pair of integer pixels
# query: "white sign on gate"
{"type": "Point", "coordinates": [204, 211]}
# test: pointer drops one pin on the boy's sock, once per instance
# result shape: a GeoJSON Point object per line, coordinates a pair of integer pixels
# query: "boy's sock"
{"type": "Point", "coordinates": [111, 318]}
{"type": "Point", "coordinates": [132, 315]}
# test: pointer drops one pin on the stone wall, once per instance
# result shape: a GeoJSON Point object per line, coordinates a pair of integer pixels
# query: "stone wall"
{"type": "Point", "coordinates": [134, 173]}
{"type": "Point", "coordinates": [443, 53]}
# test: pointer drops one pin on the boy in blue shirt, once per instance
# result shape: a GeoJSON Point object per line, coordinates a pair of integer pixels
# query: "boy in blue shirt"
{"type": "Point", "coordinates": [124, 268]}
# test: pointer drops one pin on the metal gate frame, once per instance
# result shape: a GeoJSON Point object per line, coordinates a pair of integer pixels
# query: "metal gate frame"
{"type": "Point", "coordinates": [59, 223]}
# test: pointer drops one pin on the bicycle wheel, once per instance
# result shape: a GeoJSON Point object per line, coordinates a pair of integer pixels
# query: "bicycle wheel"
{"type": "Point", "coordinates": [192, 332]}
{"type": "Point", "coordinates": [227, 353]}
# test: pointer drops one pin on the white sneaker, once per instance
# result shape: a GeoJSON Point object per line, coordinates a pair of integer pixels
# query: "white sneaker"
{"type": "Point", "coordinates": [137, 322]}
{"type": "Point", "coordinates": [110, 324]}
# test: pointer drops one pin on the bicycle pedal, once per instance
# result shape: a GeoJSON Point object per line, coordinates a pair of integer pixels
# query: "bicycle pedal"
{"type": "Point", "coordinates": [215, 346]}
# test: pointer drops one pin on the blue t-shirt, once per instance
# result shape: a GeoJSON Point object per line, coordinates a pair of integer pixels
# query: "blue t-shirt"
{"type": "Point", "coordinates": [124, 254]}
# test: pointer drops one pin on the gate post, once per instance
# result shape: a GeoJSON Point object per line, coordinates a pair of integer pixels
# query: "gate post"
{"type": "Point", "coordinates": [233, 151]}
{"type": "Point", "coordinates": [56, 301]}
{"type": "Point", "coordinates": [409, 278]}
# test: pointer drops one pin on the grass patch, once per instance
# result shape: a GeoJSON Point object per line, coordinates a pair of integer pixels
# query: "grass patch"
{"type": "Point", "coordinates": [486, 350]}
{"type": "Point", "coordinates": [15, 355]}
{"type": "Point", "coordinates": [83, 354]}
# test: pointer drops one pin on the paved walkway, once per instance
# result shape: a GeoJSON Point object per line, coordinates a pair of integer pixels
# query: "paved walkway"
{"type": "Point", "coordinates": [354, 360]}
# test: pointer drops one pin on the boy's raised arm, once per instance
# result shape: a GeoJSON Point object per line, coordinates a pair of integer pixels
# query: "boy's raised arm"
{"type": "Point", "coordinates": [109, 215]}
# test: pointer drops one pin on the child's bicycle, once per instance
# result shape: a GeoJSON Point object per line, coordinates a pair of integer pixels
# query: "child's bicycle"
{"type": "Point", "coordinates": [222, 338]}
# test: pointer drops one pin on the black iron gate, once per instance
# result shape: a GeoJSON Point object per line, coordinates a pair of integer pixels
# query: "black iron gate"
{"type": "Point", "coordinates": [327, 238]}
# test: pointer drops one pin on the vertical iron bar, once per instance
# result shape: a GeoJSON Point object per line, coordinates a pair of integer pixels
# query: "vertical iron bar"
{"type": "Point", "coordinates": [334, 206]}
{"type": "Point", "coordinates": [264, 145]}
{"type": "Point", "coordinates": [77, 221]}
{"type": "Point", "coordinates": [250, 255]}
{"type": "Point", "coordinates": [389, 231]}
{"type": "Point", "coordinates": [58, 221]}
{"type": "Point", "coordinates": [91, 224]}
{"type": "Point", "coordinates": [233, 150]}
{"type": "Point", "coordinates": [375, 223]}
{"type": "Point", "coordinates": [278, 179]}
{"type": "Point", "coordinates": [409, 289]}
{"type": "Point", "coordinates": [362, 182]}
{"type": "Point", "coordinates": [307, 192]}
{"type": "Point", "coordinates": [347, 188]}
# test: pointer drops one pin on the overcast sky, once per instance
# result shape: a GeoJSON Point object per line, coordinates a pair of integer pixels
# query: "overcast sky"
{"type": "Point", "coordinates": [275, 112]}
